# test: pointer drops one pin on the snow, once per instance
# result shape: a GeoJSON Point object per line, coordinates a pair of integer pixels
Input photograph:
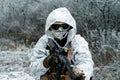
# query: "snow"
{"type": "Point", "coordinates": [16, 76]}
{"type": "Point", "coordinates": [14, 65]}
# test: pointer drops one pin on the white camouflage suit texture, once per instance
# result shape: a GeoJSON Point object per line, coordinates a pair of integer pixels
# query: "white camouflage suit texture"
{"type": "Point", "coordinates": [80, 50]}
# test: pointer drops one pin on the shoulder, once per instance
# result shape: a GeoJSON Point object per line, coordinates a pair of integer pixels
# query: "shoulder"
{"type": "Point", "coordinates": [78, 39]}
{"type": "Point", "coordinates": [43, 38]}
{"type": "Point", "coordinates": [42, 42]}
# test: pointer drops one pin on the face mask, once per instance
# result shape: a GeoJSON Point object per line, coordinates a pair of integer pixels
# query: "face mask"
{"type": "Point", "coordinates": [60, 31]}
{"type": "Point", "coordinates": [60, 34]}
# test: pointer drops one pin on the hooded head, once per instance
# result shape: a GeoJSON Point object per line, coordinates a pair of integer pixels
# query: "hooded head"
{"type": "Point", "coordinates": [61, 15]}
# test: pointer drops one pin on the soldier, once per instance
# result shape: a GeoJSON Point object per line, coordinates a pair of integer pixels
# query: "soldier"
{"type": "Point", "coordinates": [60, 33]}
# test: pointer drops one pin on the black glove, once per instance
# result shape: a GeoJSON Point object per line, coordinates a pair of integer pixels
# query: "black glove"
{"type": "Point", "coordinates": [50, 60]}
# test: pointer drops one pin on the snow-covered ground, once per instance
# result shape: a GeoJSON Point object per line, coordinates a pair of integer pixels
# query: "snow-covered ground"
{"type": "Point", "coordinates": [14, 65]}
{"type": "Point", "coordinates": [16, 75]}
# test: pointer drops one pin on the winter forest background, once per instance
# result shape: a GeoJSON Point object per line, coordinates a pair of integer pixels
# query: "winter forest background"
{"type": "Point", "coordinates": [22, 24]}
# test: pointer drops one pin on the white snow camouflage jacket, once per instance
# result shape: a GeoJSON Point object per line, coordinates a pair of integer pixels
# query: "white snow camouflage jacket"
{"type": "Point", "coordinates": [80, 51]}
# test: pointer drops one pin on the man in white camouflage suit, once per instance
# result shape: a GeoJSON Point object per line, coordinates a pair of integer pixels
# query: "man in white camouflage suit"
{"type": "Point", "coordinates": [61, 28]}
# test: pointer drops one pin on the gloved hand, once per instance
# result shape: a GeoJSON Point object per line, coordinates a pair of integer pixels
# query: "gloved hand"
{"type": "Point", "coordinates": [50, 60]}
{"type": "Point", "coordinates": [79, 73]}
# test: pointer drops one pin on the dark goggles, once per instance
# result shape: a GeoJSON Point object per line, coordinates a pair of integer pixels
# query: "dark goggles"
{"type": "Point", "coordinates": [57, 26]}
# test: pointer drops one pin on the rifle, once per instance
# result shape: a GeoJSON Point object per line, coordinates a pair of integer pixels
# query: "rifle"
{"type": "Point", "coordinates": [63, 61]}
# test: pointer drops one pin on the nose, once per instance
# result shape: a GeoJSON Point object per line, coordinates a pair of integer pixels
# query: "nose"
{"type": "Point", "coordinates": [60, 28]}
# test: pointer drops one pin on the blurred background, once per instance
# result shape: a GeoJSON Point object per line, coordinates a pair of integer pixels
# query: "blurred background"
{"type": "Point", "coordinates": [22, 23]}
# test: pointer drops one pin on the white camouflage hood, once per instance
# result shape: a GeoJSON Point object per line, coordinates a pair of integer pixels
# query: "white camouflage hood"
{"type": "Point", "coordinates": [62, 15]}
